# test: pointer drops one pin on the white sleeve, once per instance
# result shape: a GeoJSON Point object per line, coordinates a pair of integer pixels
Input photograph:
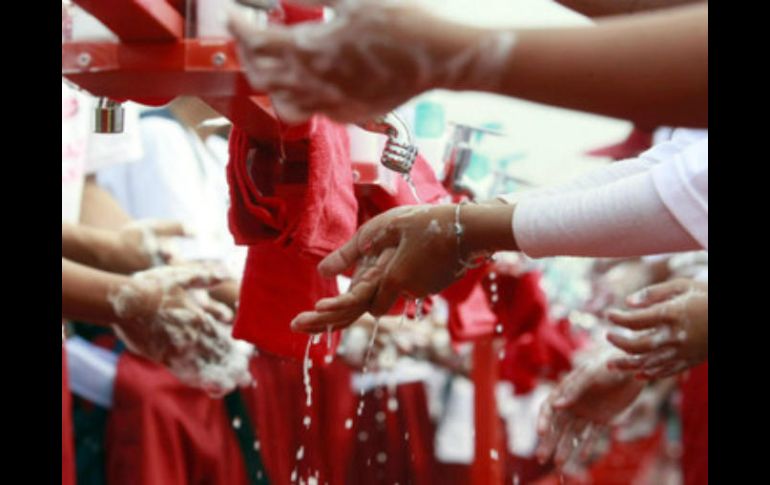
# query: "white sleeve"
{"type": "Point", "coordinates": [683, 185]}
{"type": "Point", "coordinates": [623, 218]}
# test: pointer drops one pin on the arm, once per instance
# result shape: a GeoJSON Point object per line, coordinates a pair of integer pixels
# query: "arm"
{"type": "Point", "coordinates": [85, 293]}
{"type": "Point", "coordinates": [650, 68]}
{"type": "Point", "coordinates": [601, 8]}
{"type": "Point", "coordinates": [100, 209]}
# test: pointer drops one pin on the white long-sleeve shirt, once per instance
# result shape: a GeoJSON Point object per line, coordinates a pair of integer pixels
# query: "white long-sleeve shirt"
{"type": "Point", "coordinates": [652, 204]}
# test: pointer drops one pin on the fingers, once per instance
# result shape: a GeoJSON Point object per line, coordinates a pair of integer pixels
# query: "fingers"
{"type": "Point", "coordinates": [390, 287]}
{"type": "Point", "coordinates": [570, 389]}
{"type": "Point", "coordinates": [639, 319]}
{"type": "Point", "coordinates": [357, 302]}
{"type": "Point", "coordinates": [363, 242]}
{"type": "Point", "coordinates": [168, 228]}
{"type": "Point", "coordinates": [657, 293]}
{"type": "Point", "coordinates": [219, 310]}
{"type": "Point", "coordinates": [654, 359]}
{"type": "Point", "coordinates": [552, 435]}
{"type": "Point", "coordinates": [642, 342]}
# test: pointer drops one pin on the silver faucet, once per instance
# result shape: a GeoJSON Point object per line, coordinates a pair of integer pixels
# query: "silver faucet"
{"type": "Point", "coordinates": [458, 153]}
{"type": "Point", "coordinates": [400, 152]}
{"type": "Point", "coordinates": [108, 116]}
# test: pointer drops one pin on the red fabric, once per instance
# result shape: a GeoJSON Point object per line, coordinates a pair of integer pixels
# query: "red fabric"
{"type": "Point", "coordinates": [382, 434]}
{"type": "Point", "coordinates": [279, 405]}
{"type": "Point", "coordinates": [635, 143]}
{"type": "Point", "coordinates": [544, 353]}
{"type": "Point", "coordinates": [278, 284]}
{"type": "Point", "coordinates": [695, 425]}
{"type": "Point", "coordinates": [470, 315]}
{"type": "Point", "coordinates": [305, 202]}
{"type": "Point", "coordinates": [67, 443]}
{"type": "Point", "coordinates": [161, 431]}
{"type": "Point", "coordinates": [522, 305]}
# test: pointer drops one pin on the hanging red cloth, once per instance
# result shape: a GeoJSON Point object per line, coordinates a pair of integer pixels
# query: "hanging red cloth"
{"type": "Point", "coordinates": [162, 431]}
{"type": "Point", "coordinates": [695, 425]}
{"type": "Point", "coordinates": [67, 443]}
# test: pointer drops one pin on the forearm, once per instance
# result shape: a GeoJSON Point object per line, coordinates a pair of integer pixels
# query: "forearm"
{"type": "Point", "coordinates": [621, 219]}
{"type": "Point", "coordinates": [601, 8]}
{"type": "Point", "coordinates": [100, 209]}
{"type": "Point", "coordinates": [648, 68]}
{"type": "Point", "coordinates": [87, 245]}
{"type": "Point", "coordinates": [85, 293]}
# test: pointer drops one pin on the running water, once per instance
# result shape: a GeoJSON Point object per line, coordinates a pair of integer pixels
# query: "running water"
{"type": "Point", "coordinates": [366, 364]}
{"type": "Point", "coordinates": [410, 183]}
{"type": "Point", "coordinates": [306, 365]}
{"type": "Point", "coordinates": [329, 352]}
{"type": "Point", "coordinates": [418, 308]}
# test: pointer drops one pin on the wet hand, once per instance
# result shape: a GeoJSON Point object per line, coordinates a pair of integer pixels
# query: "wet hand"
{"type": "Point", "coordinates": [667, 329]}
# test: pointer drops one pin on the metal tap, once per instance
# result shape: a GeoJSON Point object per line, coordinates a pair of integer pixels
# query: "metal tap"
{"type": "Point", "coordinates": [458, 153]}
{"type": "Point", "coordinates": [399, 153]}
{"type": "Point", "coordinates": [108, 116]}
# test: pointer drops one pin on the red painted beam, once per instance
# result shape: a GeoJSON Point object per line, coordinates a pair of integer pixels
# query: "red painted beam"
{"type": "Point", "coordinates": [138, 20]}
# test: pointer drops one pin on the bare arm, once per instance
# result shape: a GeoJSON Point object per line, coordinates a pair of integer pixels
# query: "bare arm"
{"type": "Point", "coordinates": [648, 68]}
{"type": "Point", "coordinates": [601, 8]}
{"type": "Point", "coordinates": [84, 293]}
{"type": "Point", "coordinates": [100, 209]}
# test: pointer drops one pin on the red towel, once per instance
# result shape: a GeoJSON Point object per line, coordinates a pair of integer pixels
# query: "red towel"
{"type": "Point", "coordinates": [67, 443]}
{"type": "Point", "coordinates": [543, 353]}
{"type": "Point", "coordinates": [278, 284]}
{"type": "Point", "coordinates": [522, 305]}
{"type": "Point", "coordinates": [305, 202]}
{"type": "Point", "coordinates": [470, 315]}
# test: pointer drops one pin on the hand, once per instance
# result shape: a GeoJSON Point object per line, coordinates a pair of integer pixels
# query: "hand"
{"type": "Point", "coordinates": [671, 329]}
{"type": "Point", "coordinates": [408, 251]}
{"type": "Point", "coordinates": [370, 58]}
{"type": "Point", "coordinates": [161, 320]}
{"type": "Point", "coordinates": [580, 409]}
{"type": "Point", "coordinates": [143, 244]}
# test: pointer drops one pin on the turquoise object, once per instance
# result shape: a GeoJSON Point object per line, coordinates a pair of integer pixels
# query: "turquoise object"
{"type": "Point", "coordinates": [429, 120]}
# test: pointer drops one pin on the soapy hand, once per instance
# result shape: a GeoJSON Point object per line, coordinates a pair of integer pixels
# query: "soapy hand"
{"type": "Point", "coordinates": [410, 251]}
{"type": "Point", "coordinates": [162, 320]}
{"type": "Point", "coordinates": [669, 324]}
{"type": "Point", "coordinates": [371, 57]}
{"type": "Point", "coordinates": [580, 409]}
{"type": "Point", "coordinates": [145, 243]}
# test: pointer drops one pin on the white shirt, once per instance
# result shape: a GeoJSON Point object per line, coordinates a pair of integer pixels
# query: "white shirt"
{"type": "Point", "coordinates": [83, 151]}
{"type": "Point", "coordinates": [652, 204]}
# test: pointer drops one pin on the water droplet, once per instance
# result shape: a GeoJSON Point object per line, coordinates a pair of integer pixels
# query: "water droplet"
{"type": "Point", "coordinates": [348, 423]}
{"type": "Point", "coordinates": [259, 475]}
{"type": "Point", "coordinates": [363, 436]}
{"type": "Point", "coordinates": [294, 475]}
{"type": "Point", "coordinates": [492, 275]}
{"type": "Point", "coordinates": [301, 453]}
{"type": "Point", "coordinates": [494, 298]}
{"type": "Point", "coordinates": [237, 422]}
{"type": "Point", "coordinates": [306, 421]}
{"type": "Point", "coordinates": [382, 457]}
{"type": "Point", "coordinates": [316, 339]}
{"type": "Point", "coordinates": [392, 404]}
{"type": "Point", "coordinates": [501, 354]}
{"type": "Point", "coordinates": [328, 358]}
{"type": "Point", "coordinates": [493, 287]}
{"type": "Point", "coordinates": [380, 417]}
{"type": "Point", "coordinates": [499, 328]}
{"type": "Point", "coordinates": [256, 446]}
{"type": "Point", "coordinates": [493, 454]}
{"type": "Point", "coordinates": [406, 436]}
